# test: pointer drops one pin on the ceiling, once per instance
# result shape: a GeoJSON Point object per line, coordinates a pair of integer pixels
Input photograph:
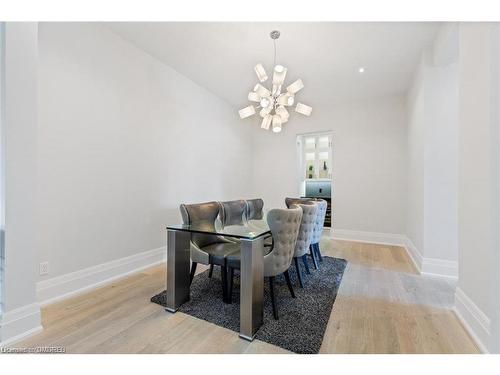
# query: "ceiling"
{"type": "Point", "coordinates": [326, 56]}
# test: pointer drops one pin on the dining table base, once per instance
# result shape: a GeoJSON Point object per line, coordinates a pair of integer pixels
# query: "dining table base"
{"type": "Point", "coordinates": [251, 286]}
{"type": "Point", "coordinates": [178, 263]}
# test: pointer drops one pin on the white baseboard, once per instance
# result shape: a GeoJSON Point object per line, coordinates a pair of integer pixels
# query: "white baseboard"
{"type": "Point", "coordinates": [414, 254]}
{"type": "Point", "coordinates": [368, 237]}
{"type": "Point", "coordinates": [431, 266]}
{"type": "Point", "coordinates": [20, 323]}
{"type": "Point", "coordinates": [71, 284]}
{"type": "Point", "coordinates": [425, 266]}
{"type": "Point", "coordinates": [440, 268]}
{"type": "Point", "coordinates": [473, 319]}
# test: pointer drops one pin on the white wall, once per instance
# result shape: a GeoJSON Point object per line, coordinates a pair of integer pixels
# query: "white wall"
{"type": "Point", "coordinates": [478, 152]}
{"type": "Point", "coordinates": [123, 140]}
{"type": "Point", "coordinates": [495, 139]}
{"type": "Point", "coordinates": [416, 135]}
{"type": "Point", "coordinates": [20, 312]}
{"type": "Point", "coordinates": [433, 157]}
{"type": "Point", "coordinates": [440, 184]}
{"type": "Point", "coordinates": [369, 162]}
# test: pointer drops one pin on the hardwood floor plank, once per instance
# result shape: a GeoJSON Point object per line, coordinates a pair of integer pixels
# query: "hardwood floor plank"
{"type": "Point", "coordinates": [382, 306]}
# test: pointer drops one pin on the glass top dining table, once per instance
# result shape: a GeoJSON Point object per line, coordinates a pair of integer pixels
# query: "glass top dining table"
{"type": "Point", "coordinates": [245, 229]}
{"type": "Point", "coordinates": [250, 234]}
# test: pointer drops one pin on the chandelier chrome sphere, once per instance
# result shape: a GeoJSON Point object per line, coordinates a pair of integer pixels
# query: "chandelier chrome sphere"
{"type": "Point", "coordinates": [272, 102]}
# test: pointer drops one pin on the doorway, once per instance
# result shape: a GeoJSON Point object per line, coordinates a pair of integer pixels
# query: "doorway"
{"type": "Point", "coordinates": [315, 168]}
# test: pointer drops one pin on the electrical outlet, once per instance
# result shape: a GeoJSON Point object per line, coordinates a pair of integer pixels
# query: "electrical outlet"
{"type": "Point", "coordinates": [44, 268]}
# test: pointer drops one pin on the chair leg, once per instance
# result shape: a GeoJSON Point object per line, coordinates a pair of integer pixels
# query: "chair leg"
{"type": "Point", "coordinates": [273, 298]}
{"type": "Point", "coordinates": [224, 283]}
{"type": "Point", "coordinates": [306, 264]}
{"type": "Point", "coordinates": [211, 271]}
{"type": "Point", "coordinates": [299, 274]}
{"type": "Point", "coordinates": [231, 281]}
{"type": "Point", "coordinates": [313, 256]}
{"type": "Point", "coordinates": [289, 283]}
{"type": "Point", "coordinates": [193, 270]}
{"type": "Point", "coordinates": [318, 251]}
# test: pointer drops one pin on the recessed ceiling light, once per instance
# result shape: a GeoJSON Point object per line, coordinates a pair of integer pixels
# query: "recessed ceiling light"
{"type": "Point", "coordinates": [361, 70]}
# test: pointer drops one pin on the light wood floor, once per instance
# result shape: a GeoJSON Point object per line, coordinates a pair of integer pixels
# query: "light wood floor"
{"type": "Point", "coordinates": [383, 306]}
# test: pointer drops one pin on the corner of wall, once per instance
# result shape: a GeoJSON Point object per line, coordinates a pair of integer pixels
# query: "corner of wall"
{"type": "Point", "coordinates": [414, 254]}
{"type": "Point", "coordinates": [431, 266]}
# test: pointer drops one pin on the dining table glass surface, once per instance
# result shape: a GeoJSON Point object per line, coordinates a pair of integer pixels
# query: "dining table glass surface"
{"type": "Point", "coordinates": [247, 228]}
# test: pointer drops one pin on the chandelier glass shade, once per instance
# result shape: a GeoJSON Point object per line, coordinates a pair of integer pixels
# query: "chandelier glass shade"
{"type": "Point", "coordinates": [271, 102]}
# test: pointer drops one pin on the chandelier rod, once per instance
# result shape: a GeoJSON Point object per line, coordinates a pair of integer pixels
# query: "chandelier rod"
{"type": "Point", "coordinates": [274, 40]}
{"type": "Point", "coordinates": [275, 34]}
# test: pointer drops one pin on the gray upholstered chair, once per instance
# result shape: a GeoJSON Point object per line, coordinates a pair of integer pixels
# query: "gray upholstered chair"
{"type": "Point", "coordinates": [305, 237]}
{"type": "Point", "coordinates": [318, 228]}
{"type": "Point", "coordinates": [254, 209]}
{"type": "Point", "coordinates": [207, 249]}
{"type": "Point", "coordinates": [230, 213]}
{"type": "Point", "coordinates": [233, 212]}
{"type": "Point", "coordinates": [291, 201]}
{"type": "Point", "coordinates": [284, 225]}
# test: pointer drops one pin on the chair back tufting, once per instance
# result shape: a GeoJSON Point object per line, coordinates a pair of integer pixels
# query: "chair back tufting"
{"type": "Point", "coordinates": [320, 220]}
{"type": "Point", "coordinates": [306, 230]}
{"type": "Point", "coordinates": [284, 225]}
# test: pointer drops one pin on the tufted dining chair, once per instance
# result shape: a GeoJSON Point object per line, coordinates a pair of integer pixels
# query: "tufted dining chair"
{"type": "Point", "coordinates": [205, 248]}
{"type": "Point", "coordinates": [291, 201]}
{"type": "Point", "coordinates": [318, 229]}
{"type": "Point", "coordinates": [305, 237]}
{"type": "Point", "coordinates": [284, 225]}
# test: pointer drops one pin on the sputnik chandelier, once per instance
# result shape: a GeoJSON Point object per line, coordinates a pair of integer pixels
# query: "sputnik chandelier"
{"type": "Point", "coordinates": [272, 102]}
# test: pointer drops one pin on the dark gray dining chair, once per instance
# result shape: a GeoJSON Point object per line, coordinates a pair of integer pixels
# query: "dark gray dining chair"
{"type": "Point", "coordinates": [230, 213]}
{"type": "Point", "coordinates": [305, 237]}
{"type": "Point", "coordinates": [233, 212]}
{"type": "Point", "coordinates": [291, 201]}
{"type": "Point", "coordinates": [284, 225]}
{"type": "Point", "coordinates": [205, 248]}
{"type": "Point", "coordinates": [254, 209]}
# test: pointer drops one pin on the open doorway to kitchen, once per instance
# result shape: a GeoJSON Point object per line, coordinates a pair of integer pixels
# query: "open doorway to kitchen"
{"type": "Point", "coordinates": [314, 169]}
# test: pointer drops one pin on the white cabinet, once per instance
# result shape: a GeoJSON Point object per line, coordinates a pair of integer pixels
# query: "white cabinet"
{"type": "Point", "coordinates": [316, 156]}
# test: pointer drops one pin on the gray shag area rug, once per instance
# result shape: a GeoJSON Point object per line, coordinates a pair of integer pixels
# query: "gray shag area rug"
{"type": "Point", "coordinates": [302, 320]}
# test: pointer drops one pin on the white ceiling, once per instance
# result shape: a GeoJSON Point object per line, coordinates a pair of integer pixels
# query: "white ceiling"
{"type": "Point", "coordinates": [326, 56]}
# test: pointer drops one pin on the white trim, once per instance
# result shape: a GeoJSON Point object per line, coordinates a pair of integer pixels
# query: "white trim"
{"type": "Point", "coordinates": [368, 237]}
{"type": "Point", "coordinates": [425, 266]}
{"type": "Point", "coordinates": [414, 254]}
{"type": "Point", "coordinates": [22, 336]}
{"type": "Point", "coordinates": [440, 268]}
{"type": "Point", "coordinates": [20, 323]}
{"type": "Point", "coordinates": [432, 267]}
{"type": "Point", "coordinates": [473, 319]}
{"type": "Point", "coordinates": [71, 284]}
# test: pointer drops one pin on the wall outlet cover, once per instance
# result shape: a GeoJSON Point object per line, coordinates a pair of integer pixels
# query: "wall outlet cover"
{"type": "Point", "coordinates": [44, 268]}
